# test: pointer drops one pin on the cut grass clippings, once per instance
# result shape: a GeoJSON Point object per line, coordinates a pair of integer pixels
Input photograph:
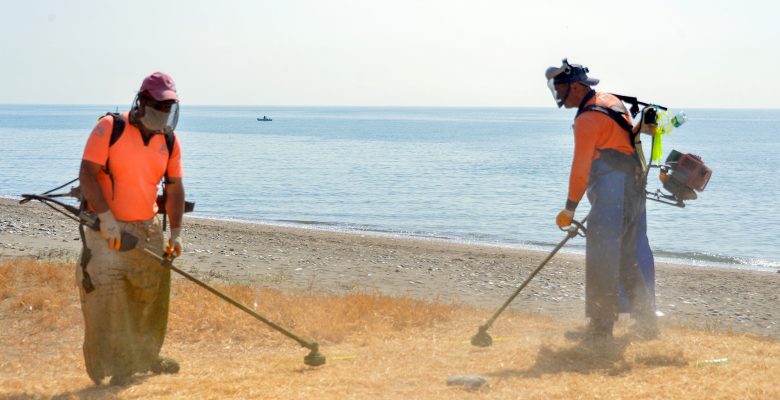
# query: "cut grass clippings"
{"type": "Point", "coordinates": [377, 347]}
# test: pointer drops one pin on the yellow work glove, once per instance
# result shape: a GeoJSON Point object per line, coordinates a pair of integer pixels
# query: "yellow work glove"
{"type": "Point", "coordinates": [109, 230]}
{"type": "Point", "coordinates": [174, 243]}
{"type": "Point", "coordinates": [564, 218]}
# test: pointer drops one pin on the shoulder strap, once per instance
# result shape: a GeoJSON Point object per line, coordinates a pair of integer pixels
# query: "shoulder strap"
{"type": "Point", "coordinates": [118, 127]}
{"type": "Point", "coordinates": [615, 115]}
{"type": "Point", "coordinates": [169, 142]}
{"type": "Point", "coordinates": [618, 118]}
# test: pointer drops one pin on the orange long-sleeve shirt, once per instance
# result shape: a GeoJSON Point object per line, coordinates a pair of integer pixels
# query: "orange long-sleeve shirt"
{"type": "Point", "coordinates": [594, 131]}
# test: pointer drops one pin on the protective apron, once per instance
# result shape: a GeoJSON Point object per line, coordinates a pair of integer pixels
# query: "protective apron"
{"type": "Point", "coordinates": [126, 316]}
{"type": "Point", "coordinates": [620, 270]}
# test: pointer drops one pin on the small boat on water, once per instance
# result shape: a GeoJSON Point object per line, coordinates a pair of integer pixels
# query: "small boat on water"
{"type": "Point", "coordinates": [264, 119]}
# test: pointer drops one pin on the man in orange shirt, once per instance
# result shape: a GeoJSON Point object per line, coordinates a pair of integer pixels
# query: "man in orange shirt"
{"type": "Point", "coordinates": [126, 305]}
{"type": "Point", "coordinates": [619, 263]}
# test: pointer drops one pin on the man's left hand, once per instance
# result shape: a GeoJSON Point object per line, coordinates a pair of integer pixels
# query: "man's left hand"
{"type": "Point", "coordinates": [174, 247]}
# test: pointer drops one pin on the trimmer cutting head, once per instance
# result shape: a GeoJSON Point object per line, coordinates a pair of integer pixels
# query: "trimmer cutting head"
{"type": "Point", "coordinates": [314, 358]}
{"type": "Point", "coordinates": [482, 338]}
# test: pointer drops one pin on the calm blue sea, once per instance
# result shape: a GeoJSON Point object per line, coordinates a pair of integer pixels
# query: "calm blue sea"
{"type": "Point", "coordinates": [485, 175]}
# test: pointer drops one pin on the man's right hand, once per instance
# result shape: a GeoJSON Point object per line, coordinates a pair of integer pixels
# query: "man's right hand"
{"type": "Point", "coordinates": [564, 218]}
{"type": "Point", "coordinates": [109, 230]}
{"type": "Point", "coordinates": [174, 243]}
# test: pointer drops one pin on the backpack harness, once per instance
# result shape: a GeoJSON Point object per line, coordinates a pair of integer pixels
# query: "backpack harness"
{"type": "Point", "coordinates": [118, 127]}
{"type": "Point", "coordinates": [615, 115]}
{"type": "Point", "coordinates": [616, 159]}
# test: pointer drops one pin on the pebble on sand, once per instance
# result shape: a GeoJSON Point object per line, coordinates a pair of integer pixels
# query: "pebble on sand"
{"type": "Point", "coordinates": [472, 382]}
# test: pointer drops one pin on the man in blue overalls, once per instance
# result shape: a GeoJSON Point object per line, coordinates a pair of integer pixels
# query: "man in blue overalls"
{"type": "Point", "coordinates": [619, 266]}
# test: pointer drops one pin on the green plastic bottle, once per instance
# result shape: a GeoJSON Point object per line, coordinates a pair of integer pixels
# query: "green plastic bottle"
{"type": "Point", "coordinates": [679, 119]}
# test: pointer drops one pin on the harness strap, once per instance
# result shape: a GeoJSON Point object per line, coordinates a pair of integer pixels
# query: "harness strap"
{"type": "Point", "coordinates": [118, 128]}
{"type": "Point", "coordinates": [86, 253]}
{"type": "Point", "coordinates": [616, 159]}
{"type": "Point", "coordinates": [616, 116]}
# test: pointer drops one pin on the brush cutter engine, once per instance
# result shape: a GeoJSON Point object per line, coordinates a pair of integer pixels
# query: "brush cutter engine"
{"type": "Point", "coordinates": [682, 176]}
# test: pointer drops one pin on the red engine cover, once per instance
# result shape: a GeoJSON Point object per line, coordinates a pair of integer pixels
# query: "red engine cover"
{"type": "Point", "coordinates": [692, 172]}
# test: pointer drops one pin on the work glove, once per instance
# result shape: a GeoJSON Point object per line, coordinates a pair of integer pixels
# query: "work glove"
{"type": "Point", "coordinates": [564, 218]}
{"type": "Point", "coordinates": [174, 248]}
{"type": "Point", "coordinates": [109, 230]}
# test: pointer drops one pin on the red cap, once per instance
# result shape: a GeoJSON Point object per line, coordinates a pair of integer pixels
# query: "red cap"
{"type": "Point", "coordinates": [160, 86]}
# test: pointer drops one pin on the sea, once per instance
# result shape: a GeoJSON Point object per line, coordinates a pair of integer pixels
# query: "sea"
{"type": "Point", "coordinates": [493, 176]}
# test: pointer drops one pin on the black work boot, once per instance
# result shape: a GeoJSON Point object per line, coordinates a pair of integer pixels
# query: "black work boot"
{"type": "Point", "coordinates": [119, 380]}
{"type": "Point", "coordinates": [600, 329]}
{"type": "Point", "coordinates": [96, 377]}
{"type": "Point", "coordinates": [120, 376]}
{"type": "Point", "coordinates": [597, 329]}
{"type": "Point", "coordinates": [164, 365]}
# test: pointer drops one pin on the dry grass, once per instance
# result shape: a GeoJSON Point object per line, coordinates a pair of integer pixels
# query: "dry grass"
{"type": "Point", "coordinates": [377, 347]}
{"type": "Point", "coordinates": [324, 318]}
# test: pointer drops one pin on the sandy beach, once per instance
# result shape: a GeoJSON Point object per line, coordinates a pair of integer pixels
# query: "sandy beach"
{"type": "Point", "coordinates": [483, 276]}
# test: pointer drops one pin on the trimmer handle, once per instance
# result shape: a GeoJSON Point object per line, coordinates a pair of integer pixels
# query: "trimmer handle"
{"type": "Point", "coordinates": [128, 241]}
{"type": "Point", "coordinates": [576, 228]}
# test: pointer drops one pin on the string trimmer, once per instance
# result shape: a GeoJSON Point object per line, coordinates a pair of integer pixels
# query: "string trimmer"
{"type": "Point", "coordinates": [482, 338]}
{"type": "Point", "coordinates": [130, 242]}
{"type": "Point", "coordinates": [314, 358]}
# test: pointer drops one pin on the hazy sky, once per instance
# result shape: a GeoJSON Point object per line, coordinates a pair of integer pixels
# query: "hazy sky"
{"type": "Point", "coordinates": [388, 52]}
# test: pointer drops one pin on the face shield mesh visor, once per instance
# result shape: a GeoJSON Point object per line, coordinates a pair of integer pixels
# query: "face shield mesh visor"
{"type": "Point", "coordinates": [558, 100]}
{"type": "Point", "coordinates": [158, 116]}
{"type": "Point", "coordinates": [557, 72]}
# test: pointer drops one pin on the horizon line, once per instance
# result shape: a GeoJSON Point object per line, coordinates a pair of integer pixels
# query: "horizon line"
{"type": "Point", "coordinates": [369, 106]}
